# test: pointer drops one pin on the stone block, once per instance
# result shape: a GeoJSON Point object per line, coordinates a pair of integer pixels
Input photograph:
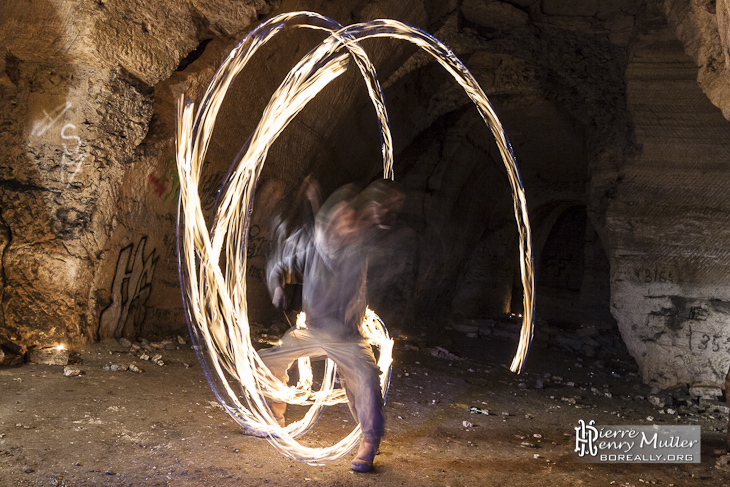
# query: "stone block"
{"type": "Point", "coordinates": [715, 405]}
{"type": "Point", "coordinates": [612, 8]}
{"type": "Point", "coordinates": [706, 392]}
{"type": "Point", "coordinates": [588, 331]}
{"type": "Point", "coordinates": [570, 342]}
{"type": "Point", "coordinates": [620, 29]}
{"type": "Point", "coordinates": [71, 371]}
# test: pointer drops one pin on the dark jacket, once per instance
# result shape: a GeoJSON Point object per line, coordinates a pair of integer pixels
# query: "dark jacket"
{"type": "Point", "coordinates": [334, 280]}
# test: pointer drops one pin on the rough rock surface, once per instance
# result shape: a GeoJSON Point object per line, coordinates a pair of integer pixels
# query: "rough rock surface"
{"type": "Point", "coordinates": [702, 26]}
{"type": "Point", "coordinates": [85, 162]}
{"type": "Point", "coordinates": [667, 225]}
{"type": "Point", "coordinates": [608, 105]}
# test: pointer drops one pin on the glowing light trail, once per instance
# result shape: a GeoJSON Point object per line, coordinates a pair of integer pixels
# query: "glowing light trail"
{"type": "Point", "coordinates": [215, 297]}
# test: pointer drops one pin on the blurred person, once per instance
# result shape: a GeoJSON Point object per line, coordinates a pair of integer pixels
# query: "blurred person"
{"type": "Point", "coordinates": [328, 255]}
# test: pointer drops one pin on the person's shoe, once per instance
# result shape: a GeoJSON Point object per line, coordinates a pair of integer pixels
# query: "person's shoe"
{"type": "Point", "coordinates": [249, 431]}
{"type": "Point", "coordinates": [363, 461]}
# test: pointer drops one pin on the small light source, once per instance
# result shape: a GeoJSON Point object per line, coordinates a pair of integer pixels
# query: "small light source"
{"type": "Point", "coordinates": [57, 355]}
{"type": "Point", "coordinates": [279, 342]}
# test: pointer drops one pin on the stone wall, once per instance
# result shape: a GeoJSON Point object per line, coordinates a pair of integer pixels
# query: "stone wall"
{"type": "Point", "coordinates": [667, 225]}
{"type": "Point", "coordinates": [608, 105]}
{"type": "Point", "coordinates": [702, 28]}
{"type": "Point", "coordinates": [87, 192]}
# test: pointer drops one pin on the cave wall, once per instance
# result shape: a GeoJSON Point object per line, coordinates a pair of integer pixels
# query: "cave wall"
{"type": "Point", "coordinates": [88, 186]}
{"type": "Point", "coordinates": [550, 79]}
{"type": "Point", "coordinates": [614, 109]}
{"type": "Point", "coordinates": [667, 223]}
{"type": "Point", "coordinates": [87, 204]}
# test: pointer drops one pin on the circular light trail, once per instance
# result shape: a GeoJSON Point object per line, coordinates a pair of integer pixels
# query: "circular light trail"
{"type": "Point", "coordinates": [212, 261]}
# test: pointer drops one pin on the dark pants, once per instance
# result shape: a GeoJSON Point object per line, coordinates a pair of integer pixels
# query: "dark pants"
{"type": "Point", "coordinates": [355, 364]}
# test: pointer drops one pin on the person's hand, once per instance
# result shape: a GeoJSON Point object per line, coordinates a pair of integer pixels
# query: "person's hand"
{"type": "Point", "coordinates": [279, 299]}
{"type": "Point", "coordinates": [313, 193]}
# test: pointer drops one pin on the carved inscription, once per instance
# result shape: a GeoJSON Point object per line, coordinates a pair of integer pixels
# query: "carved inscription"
{"type": "Point", "coordinates": [654, 275]}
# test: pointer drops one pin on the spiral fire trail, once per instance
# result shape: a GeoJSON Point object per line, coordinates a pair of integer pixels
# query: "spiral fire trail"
{"type": "Point", "coordinates": [215, 296]}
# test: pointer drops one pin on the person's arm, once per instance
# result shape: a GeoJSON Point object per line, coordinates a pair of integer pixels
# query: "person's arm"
{"type": "Point", "coordinates": [286, 265]}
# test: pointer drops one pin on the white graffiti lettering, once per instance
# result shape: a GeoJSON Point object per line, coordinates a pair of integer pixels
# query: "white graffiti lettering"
{"type": "Point", "coordinates": [73, 155]}
{"type": "Point", "coordinates": [49, 119]}
{"type": "Point", "coordinates": [71, 166]}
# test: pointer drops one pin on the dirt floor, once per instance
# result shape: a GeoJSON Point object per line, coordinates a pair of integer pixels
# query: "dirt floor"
{"type": "Point", "coordinates": [163, 426]}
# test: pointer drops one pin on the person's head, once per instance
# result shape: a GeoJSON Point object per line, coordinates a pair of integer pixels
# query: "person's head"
{"type": "Point", "coordinates": [335, 223]}
{"type": "Point", "coordinates": [378, 204]}
{"type": "Point", "coordinates": [343, 228]}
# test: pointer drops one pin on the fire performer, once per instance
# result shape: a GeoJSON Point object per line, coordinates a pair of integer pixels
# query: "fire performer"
{"type": "Point", "coordinates": [328, 255]}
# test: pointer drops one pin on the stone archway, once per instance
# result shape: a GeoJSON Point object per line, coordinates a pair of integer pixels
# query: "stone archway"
{"type": "Point", "coordinates": [573, 274]}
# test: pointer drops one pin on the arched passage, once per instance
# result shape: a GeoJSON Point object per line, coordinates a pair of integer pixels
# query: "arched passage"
{"type": "Point", "coordinates": [573, 275]}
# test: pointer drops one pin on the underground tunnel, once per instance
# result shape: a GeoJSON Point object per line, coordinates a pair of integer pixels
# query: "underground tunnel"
{"type": "Point", "coordinates": [617, 112]}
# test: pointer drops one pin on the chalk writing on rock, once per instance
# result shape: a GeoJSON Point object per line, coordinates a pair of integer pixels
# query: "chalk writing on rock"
{"type": "Point", "coordinates": [73, 155]}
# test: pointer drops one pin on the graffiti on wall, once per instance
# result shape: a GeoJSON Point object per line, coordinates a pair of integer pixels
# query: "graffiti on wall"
{"type": "Point", "coordinates": [73, 155]}
{"type": "Point", "coordinates": [258, 244]}
{"type": "Point", "coordinates": [130, 290]}
{"type": "Point", "coordinates": [654, 275]}
{"type": "Point", "coordinates": [72, 158]}
{"type": "Point", "coordinates": [258, 249]}
{"type": "Point", "coordinates": [700, 340]}
{"type": "Point", "coordinates": [169, 175]}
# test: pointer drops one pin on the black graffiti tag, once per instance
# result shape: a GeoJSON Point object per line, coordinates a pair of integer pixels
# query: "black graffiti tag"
{"type": "Point", "coordinates": [129, 292]}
